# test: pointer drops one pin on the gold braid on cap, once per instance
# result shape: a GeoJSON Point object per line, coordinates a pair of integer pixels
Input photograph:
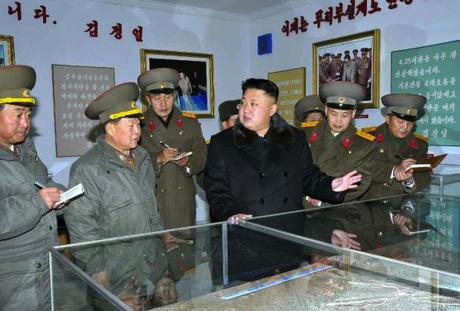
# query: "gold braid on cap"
{"type": "Point", "coordinates": [9, 100]}
{"type": "Point", "coordinates": [123, 114]}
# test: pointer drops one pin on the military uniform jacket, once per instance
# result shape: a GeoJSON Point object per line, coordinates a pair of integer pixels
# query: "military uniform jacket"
{"type": "Point", "coordinates": [27, 231]}
{"type": "Point", "coordinates": [175, 190]}
{"type": "Point", "coordinates": [336, 70]}
{"type": "Point", "coordinates": [324, 72]}
{"type": "Point", "coordinates": [337, 156]}
{"type": "Point", "coordinates": [387, 155]}
{"type": "Point", "coordinates": [363, 70]}
{"type": "Point", "coordinates": [119, 200]}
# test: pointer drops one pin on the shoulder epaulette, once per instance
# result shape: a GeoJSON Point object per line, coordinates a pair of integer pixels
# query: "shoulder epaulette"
{"type": "Point", "coordinates": [369, 129]}
{"type": "Point", "coordinates": [309, 124]}
{"type": "Point", "coordinates": [189, 115]}
{"type": "Point", "coordinates": [421, 137]}
{"type": "Point", "coordinates": [365, 135]}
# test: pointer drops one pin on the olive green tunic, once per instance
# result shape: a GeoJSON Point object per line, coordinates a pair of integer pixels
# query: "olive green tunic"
{"type": "Point", "coordinates": [348, 151]}
{"type": "Point", "coordinates": [175, 189]}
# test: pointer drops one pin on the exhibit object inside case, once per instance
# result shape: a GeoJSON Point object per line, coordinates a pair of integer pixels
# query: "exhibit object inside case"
{"type": "Point", "coordinates": [278, 262]}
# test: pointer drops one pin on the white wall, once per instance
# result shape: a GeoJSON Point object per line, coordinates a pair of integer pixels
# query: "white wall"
{"type": "Point", "coordinates": [424, 22]}
{"type": "Point", "coordinates": [232, 43]}
{"type": "Point", "coordinates": [40, 45]}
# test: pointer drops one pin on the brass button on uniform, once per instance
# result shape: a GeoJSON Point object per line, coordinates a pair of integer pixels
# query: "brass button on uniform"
{"type": "Point", "coordinates": [380, 234]}
{"type": "Point", "coordinates": [180, 188]}
{"type": "Point", "coordinates": [38, 265]}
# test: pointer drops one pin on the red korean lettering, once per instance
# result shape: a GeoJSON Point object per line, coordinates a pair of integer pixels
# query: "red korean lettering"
{"type": "Point", "coordinates": [41, 13]}
{"type": "Point", "coordinates": [285, 28]}
{"type": "Point", "coordinates": [329, 15]}
{"type": "Point", "coordinates": [117, 31]}
{"type": "Point", "coordinates": [362, 8]}
{"type": "Point", "coordinates": [93, 29]}
{"type": "Point", "coordinates": [374, 7]}
{"type": "Point", "coordinates": [339, 12]}
{"type": "Point", "coordinates": [303, 24]}
{"type": "Point", "coordinates": [392, 4]}
{"type": "Point", "coordinates": [138, 33]}
{"type": "Point", "coordinates": [350, 12]}
{"type": "Point", "coordinates": [17, 10]}
{"type": "Point", "coordinates": [318, 18]}
{"type": "Point", "coordinates": [294, 25]}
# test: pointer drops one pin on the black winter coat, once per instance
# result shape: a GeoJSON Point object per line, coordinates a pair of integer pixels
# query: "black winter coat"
{"type": "Point", "coordinates": [238, 181]}
{"type": "Point", "coordinates": [259, 176]}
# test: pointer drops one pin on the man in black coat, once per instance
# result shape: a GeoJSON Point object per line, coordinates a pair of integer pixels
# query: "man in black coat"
{"type": "Point", "coordinates": [263, 166]}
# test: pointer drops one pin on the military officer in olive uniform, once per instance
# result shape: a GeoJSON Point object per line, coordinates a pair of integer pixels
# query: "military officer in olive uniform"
{"type": "Point", "coordinates": [398, 147]}
{"type": "Point", "coordinates": [308, 108]}
{"type": "Point", "coordinates": [363, 72]}
{"type": "Point", "coordinates": [228, 113]}
{"type": "Point", "coordinates": [119, 200]}
{"type": "Point", "coordinates": [167, 132]}
{"type": "Point", "coordinates": [336, 145]}
{"type": "Point", "coordinates": [27, 215]}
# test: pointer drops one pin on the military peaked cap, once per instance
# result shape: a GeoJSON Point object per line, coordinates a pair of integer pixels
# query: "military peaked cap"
{"type": "Point", "coordinates": [16, 81]}
{"type": "Point", "coordinates": [116, 103]}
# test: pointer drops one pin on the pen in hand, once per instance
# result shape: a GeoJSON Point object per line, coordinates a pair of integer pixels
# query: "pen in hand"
{"type": "Point", "coordinates": [39, 185]}
{"type": "Point", "coordinates": [164, 144]}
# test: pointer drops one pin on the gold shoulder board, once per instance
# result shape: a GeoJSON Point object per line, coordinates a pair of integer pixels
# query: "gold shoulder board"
{"type": "Point", "coordinates": [365, 135]}
{"type": "Point", "coordinates": [189, 115]}
{"type": "Point", "coordinates": [309, 124]}
{"type": "Point", "coordinates": [421, 137]}
{"type": "Point", "coordinates": [369, 129]}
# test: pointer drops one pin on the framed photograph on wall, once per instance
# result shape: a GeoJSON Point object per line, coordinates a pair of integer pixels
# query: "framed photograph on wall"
{"type": "Point", "coordinates": [291, 84]}
{"type": "Point", "coordinates": [6, 50]}
{"type": "Point", "coordinates": [354, 58]}
{"type": "Point", "coordinates": [195, 92]}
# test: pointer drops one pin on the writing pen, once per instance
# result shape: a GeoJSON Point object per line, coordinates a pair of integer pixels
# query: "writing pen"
{"type": "Point", "coordinates": [39, 185]}
{"type": "Point", "coordinates": [164, 144]}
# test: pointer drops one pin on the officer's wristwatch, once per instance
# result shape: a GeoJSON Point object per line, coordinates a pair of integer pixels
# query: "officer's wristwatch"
{"type": "Point", "coordinates": [187, 170]}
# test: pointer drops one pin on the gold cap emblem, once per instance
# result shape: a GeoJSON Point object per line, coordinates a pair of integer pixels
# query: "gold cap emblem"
{"type": "Point", "coordinates": [26, 93]}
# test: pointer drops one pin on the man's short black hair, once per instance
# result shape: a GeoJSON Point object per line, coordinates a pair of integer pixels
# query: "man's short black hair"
{"type": "Point", "coordinates": [261, 84]}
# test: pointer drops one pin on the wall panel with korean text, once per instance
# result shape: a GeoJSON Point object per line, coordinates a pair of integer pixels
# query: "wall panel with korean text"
{"type": "Point", "coordinates": [74, 87]}
{"type": "Point", "coordinates": [291, 84]}
{"type": "Point", "coordinates": [432, 71]}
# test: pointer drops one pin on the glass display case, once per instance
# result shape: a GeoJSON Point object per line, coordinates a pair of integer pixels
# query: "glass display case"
{"type": "Point", "coordinates": [445, 180]}
{"type": "Point", "coordinates": [394, 253]}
